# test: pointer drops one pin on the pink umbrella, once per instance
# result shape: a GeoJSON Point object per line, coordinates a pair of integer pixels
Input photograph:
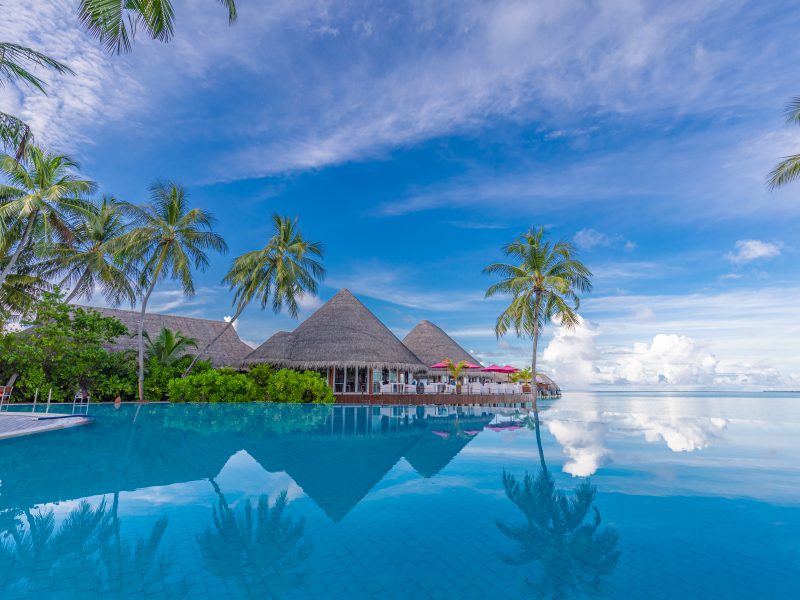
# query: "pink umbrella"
{"type": "Point", "coordinates": [498, 369]}
{"type": "Point", "coordinates": [443, 365]}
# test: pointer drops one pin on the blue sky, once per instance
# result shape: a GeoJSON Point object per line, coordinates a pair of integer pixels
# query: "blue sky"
{"type": "Point", "coordinates": [414, 139]}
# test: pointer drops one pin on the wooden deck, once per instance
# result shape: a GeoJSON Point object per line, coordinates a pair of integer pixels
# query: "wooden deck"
{"type": "Point", "coordinates": [15, 424]}
{"type": "Point", "coordinates": [490, 399]}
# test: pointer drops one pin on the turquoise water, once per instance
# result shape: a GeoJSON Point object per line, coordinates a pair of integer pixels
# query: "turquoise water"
{"type": "Point", "coordinates": [628, 496]}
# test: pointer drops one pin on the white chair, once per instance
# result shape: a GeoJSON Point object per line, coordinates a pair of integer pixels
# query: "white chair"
{"type": "Point", "coordinates": [474, 388]}
{"type": "Point", "coordinates": [386, 388]}
{"type": "Point", "coordinates": [430, 388]}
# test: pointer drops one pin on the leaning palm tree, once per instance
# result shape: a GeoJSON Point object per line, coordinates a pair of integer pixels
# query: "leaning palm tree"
{"type": "Point", "coordinates": [16, 65]}
{"type": "Point", "coordinates": [543, 282]}
{"type": "Point", "coordinates": [788, 169]}
{"type": "Point", "coordinates": [278, 274]}
{"type": "Point", "coordinates": [91, 261]}
{"type": "Point", "coordinates": [169, 346]}
{"type": "Point", "coordinates": [115, 23]}
{"type": "Point", "coordinates": [44, 194]}
{"type": "Point", "coordinates": [168, 239]}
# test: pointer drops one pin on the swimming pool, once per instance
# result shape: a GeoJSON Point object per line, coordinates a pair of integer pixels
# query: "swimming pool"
{"type": "Point", "coordinates": [626, 496]}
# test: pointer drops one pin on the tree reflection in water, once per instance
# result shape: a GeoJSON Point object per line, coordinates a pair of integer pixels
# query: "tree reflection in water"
{"type": "Point", "coordinates": [261, 548]}
{"type": "Point", "coordinates": [87, 544]}
{"type": "Point", "coordinates": [560, 533]}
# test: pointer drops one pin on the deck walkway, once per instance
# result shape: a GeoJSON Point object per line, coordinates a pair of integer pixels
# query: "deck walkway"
{"type": "Point", "coordinates": [490, 399]}
{"type": "Point", "coordinates": [15, 424]}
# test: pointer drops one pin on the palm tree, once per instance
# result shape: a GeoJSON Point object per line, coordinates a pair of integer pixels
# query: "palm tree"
{"type": "Point", "coordinates": [42, 192]}
{"type": "Point", "coordinates": [169, 347]}
{"type": "Point", "coordinates": [115, 23]}
{"type": "Point", "coordinates": [788, 169]}
{"type": "Point", "coordinates": [168, 239]}
{"type": "Point", "coordinates": [15, 66]}
{"type": "Point", "coordinates": [455, 370]}
{"type": "Point", "coordinates": [544, 285]}
{"type": "Point", "coordinates": [91, 261]}
{"type": "Point", "coordinates": [278, 274]}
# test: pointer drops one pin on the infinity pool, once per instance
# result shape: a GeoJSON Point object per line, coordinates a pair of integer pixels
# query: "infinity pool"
{"type": "Point", "coordinates": [618, 496]}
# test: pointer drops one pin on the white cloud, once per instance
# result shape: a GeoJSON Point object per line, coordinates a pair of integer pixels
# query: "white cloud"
{"type": "Point", "coordinates": [750, 250]}
{"type": "Point", "coordinates": [588, 238]}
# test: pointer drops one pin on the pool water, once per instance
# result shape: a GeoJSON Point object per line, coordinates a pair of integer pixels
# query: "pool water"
{"type": "Point", "coordinates": [601, 495]}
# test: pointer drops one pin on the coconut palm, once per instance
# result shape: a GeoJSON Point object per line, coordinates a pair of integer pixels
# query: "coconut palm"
{"type": "Point", "coordinates": [16, 64]}
{"type": "Point", "coordinates": [43, 195]}
{"type": "Point", "coordinates": [543, 282]}
{"type": "Point", "coordinates": [788, 169]}
{"type": "Point", "coordinates": [562, 534]}
{"type": "Point", "coordinates": [91, 261]}
{"type": "Point", "coordinates": [168, 239]}
{"type": "Point", "coordinates": [285, 269]}
{"type": "Point", "coordinates": [169, 346]}
{"type": "Point", "coordinates": [455, 369]}
{"type": "Point", "coordinates": [115, 23]}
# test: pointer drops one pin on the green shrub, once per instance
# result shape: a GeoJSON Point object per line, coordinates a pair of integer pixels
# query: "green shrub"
{"type": "Point", "coordinates": [214, 386]}
{"type": "Point", "coordinates": [260, 374]}
{"type": "Point", "coordinates": [294, 387]}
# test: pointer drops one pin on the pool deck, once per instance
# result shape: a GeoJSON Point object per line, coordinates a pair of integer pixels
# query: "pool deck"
{"type": "Point", "coordinates": [15, 424]}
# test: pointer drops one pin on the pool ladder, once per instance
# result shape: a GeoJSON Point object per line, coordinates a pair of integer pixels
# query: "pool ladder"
{"type": "Point", "coordinates": [80, 403]}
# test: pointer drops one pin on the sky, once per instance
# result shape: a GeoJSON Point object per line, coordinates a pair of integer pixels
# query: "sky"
{"type": "Point", "coordinates": [414, 139]}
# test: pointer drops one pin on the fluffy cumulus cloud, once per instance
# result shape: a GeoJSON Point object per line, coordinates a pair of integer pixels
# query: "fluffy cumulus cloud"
{"type": "Point", "coordinates": [586, 239]}
{"type": "Point", "coordinates": [577, 360]}
{"type": "Point", "coordinates": [749, 250]}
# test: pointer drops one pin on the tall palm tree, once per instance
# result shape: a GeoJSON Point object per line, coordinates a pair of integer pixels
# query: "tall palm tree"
{"type": "Point", "coordinates": [42, 192]}
{"type": "Point", "coordinates": [169, 238]}
{"type": "Point", "coordinates": [91, 261]}
{"type": "Point", "coordinates": [16, 64]}
{"type": "Point", "coordinates": [286, 268]}
{"type": "Point", "coordinates": [788, 169]}
{"type": "Point", "coordinates": [115, 23]}
{"type": "Point", "coordinates": [543, 282]}
{"type": "Point", "coordinates": [169, 346]}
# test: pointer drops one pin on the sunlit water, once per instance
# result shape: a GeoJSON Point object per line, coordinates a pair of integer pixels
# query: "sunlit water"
{"type": "Point", "coordinates": [677, 496]}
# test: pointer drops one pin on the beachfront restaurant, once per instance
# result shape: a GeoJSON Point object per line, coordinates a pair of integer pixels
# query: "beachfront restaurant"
{"type": "Point", "coordinates": [348, 346]}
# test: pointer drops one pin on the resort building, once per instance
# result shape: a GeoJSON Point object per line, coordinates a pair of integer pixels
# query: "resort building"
{"type": "Point", "coordinates": [227, 351]}
{"type": "Point", "coordinates": [432, 346]}
{"type": "Point", "coordinates": [346, 344]}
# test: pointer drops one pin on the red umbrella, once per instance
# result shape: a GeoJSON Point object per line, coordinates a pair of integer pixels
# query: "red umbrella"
{"type": "Point", "coordinates": [443, 365]}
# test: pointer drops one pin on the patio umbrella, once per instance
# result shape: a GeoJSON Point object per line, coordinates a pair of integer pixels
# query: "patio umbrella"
{"type": "Point", "coordinates": [498, 369]}
{"type": "Point", "coordinates": [443, 365]}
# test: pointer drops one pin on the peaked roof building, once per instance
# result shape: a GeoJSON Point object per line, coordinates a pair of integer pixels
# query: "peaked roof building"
{"type": "Point", "coordinates": [432, 345]}
{"type": "Point", "coordinates": [227, 351]}
{"type": "Point", "coordinates": [342, 333]}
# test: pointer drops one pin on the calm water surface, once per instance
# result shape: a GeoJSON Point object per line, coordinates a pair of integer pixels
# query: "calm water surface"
{"type": "Point", "coordinates": [618, 496]}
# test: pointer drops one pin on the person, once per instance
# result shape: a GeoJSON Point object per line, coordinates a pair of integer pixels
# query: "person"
{"type": "Point", "coordinates": [117, 402]}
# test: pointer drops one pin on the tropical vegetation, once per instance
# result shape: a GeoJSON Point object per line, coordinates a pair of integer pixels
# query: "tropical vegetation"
{"type": "Point", "coordinates": [788, 169]}
{"type": "Point", "coordinates": [543, 282]}
{"type": "Point", "coordinates": [455, 369]}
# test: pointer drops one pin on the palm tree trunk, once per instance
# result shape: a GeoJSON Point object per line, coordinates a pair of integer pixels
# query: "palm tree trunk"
{"type": "Point", "coordinates": [77, 287]}
{"type": "Point", "coordinates": [212, 342]}
{"type": "Point", "coordinates": [23, 243]}
{"type": "Point", "coordinates": [535, 388]}
{"type": "Point", "coordinates": [141, 335]}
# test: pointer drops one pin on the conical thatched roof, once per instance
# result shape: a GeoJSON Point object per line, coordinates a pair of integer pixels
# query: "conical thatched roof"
{"type": "Point", "coordinates": [227, 351]}
{"type": "Point", "coordinates": [342, 333]}
{"type": "Point", "coordinates": [431, 345]}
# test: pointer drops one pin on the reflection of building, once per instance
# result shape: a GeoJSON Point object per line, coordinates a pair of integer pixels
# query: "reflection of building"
{"type": "Point", "coordinates": [340, 454]}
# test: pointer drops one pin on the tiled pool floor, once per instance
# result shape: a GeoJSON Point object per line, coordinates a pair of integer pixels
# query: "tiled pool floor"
{"type": "Point", "coordinates": [678, 497]}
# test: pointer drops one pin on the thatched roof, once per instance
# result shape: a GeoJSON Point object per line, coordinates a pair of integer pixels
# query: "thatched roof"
{"type": "Point", "coordinates": [227, 351]}
{"type": "Point", "coordinates": [543, 379]}
{"type": "Point", "coordinates": [342, 333]}
{"type": "Point", "coordinates": [431, 345]}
